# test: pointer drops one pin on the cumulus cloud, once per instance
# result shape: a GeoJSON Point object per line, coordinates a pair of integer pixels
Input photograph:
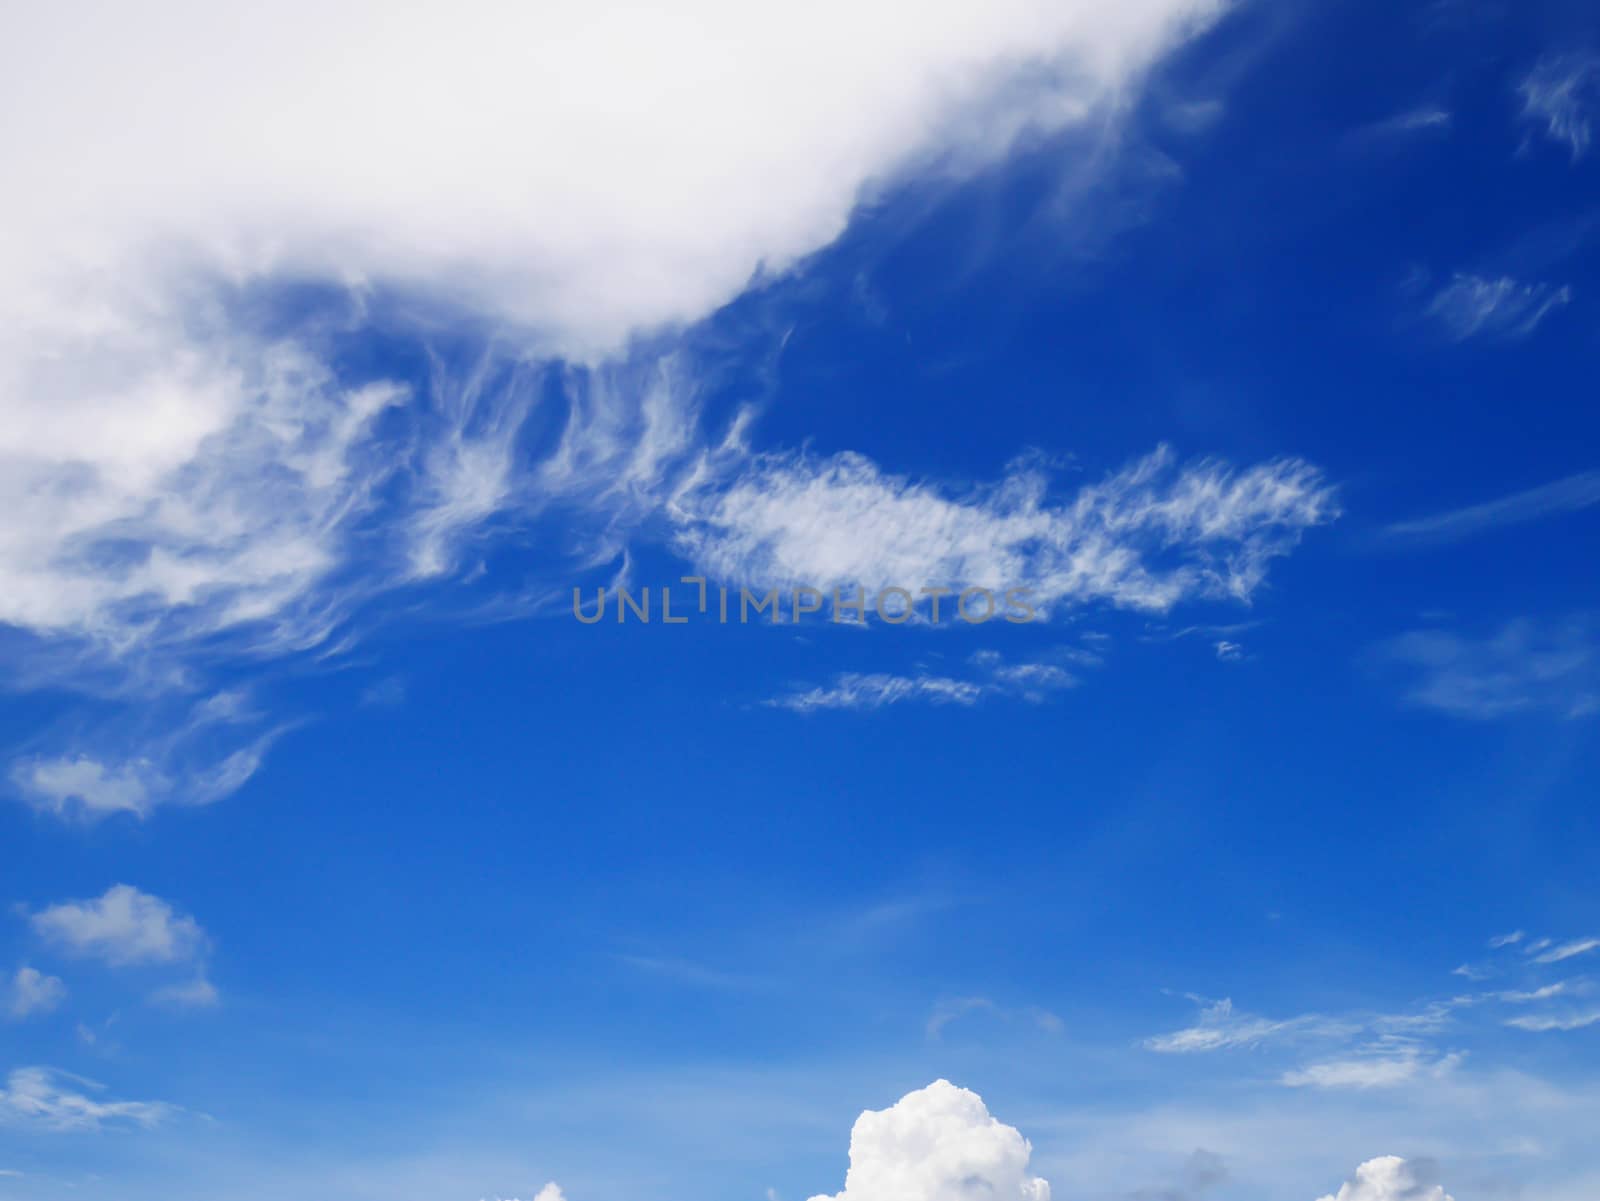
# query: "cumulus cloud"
{"type": "Point", "coordinates": [44, 1099]}
{"type": "Point", "coordinates": [937, 1144]}
{"type": "Point", "coordinates": [186, 450]}
{"type": "Point", "coordinates": [123, 927]}
{"type": "Point", "coordinates": [1472, 306]}
{"type": "Point", "coordinates": [1392, 1179]}
{"type": "Point", "coordinates": [32, 992]}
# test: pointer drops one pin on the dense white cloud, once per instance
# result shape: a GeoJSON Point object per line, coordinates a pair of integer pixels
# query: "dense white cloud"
{"type": "Point", "coordinates": [1391, 1179]}
{"type": "Point", "coordinates": [31, 992]}
{"type": "Point", "coordinates": [122, 927]}
{"type": "Point", "coordinates": [43, 1099]}
{"type": "Point", "coordinates": [938, 1144]}
{"type": "Point", "coordinates": [181, 452]}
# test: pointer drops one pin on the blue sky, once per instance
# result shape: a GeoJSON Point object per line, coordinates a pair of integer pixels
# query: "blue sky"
{"type": "Point", "coordinates": [1255, 341]}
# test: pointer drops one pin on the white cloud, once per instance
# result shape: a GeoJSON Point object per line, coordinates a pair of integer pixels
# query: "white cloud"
{"type": "Point", "coordinates": [185, 452]}
{"type": "Point", "coordinates": [1393, 131]}
{"type": "Point", "coordinates": [550, 1192]}
{"type": "Point", "coordinates": [44, 1099]}
{"type": "Point", "coordinates": [855, 690]}
{"type": "Point", "coordinates": [1221, 1027]}
{"type": "Point", "coordinates": [1033, 682]}
{"type": "Point", "coordinates": [954, 1008]}
{"type": "Point", "coordinates": [1392, 1179]}
{"type": "Point", "coordinates": [203, 755]}
{"type": "Point", "coordinates": [1562, 94]}
{"type": "Point", "coordinates": [123, 927]}
{"type": "Point", "coordinates": [1147, 537]}
{"type": "Point", "coordinates": [34, 992]}
{"type": "Point", "coordinates": [1506, 940]}
{"type": "Point", "coordinates": [1569, 495]}
{"type": "Point", "coordinates": [198, 993]}
{"type": "Point", "coordinates": [1528, 666]}
{"type": "Point", "coordinates": [1385, 1069]}
{"type": "Point", "coordinates": [1471, 306]}
{"type": "Point", "coordinates": [938, 1144]}
{"type": "Point", "coordinates": [1544, 1023]}
{"type": "Point", "coordinates": [1569, 950]}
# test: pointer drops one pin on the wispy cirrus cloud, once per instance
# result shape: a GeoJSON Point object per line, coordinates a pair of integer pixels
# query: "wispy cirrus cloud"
{"type": "Point", "coordinates": [1528, 666]}
{"type": "Point", "coordinates": [875, 690]}
{"type": "Point", "coordinates": [1544, 1023]}
{"type": "Point", "coordinates": [1562, 95]}
{"type": "Point", "coordinates": [1365, 1050]}
{"type": "Point", "coordinates": [201, 455]}
{"type": "Point", "coordinates": [44, 1099]}
{"type": "Point", "coordinates": [207, 754]}
{"type": "Point", "coordinates": [188, 447]}
{"type": "Point", "coordinates": [1399, 129]}
{"type": "Point", "coordinates": [1472, 306]}
{"type": "Point", "coordinates": [1147, 537]}
{"type": "Point", "coordinates": [1568, 950]}
{"type": "Point", "coordinates": [1572, 494]}
{"type": "Point", "coordinates": [953, 1009]}
{"type": "Point", "coordinates": [987, 675]}
{"type": "Point", "coordinates": [1382, 1066]}
{"type": "Point", "coordinates": [1221, 1027]}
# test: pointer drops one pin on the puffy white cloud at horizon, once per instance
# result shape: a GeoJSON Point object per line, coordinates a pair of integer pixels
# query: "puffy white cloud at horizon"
{"type": "Point", "coordinates": [937, 1144]}
{"type": "Point", "coordinates": [1391, 1178]}
{"type": "Point", "coordinates": [181, 452]}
